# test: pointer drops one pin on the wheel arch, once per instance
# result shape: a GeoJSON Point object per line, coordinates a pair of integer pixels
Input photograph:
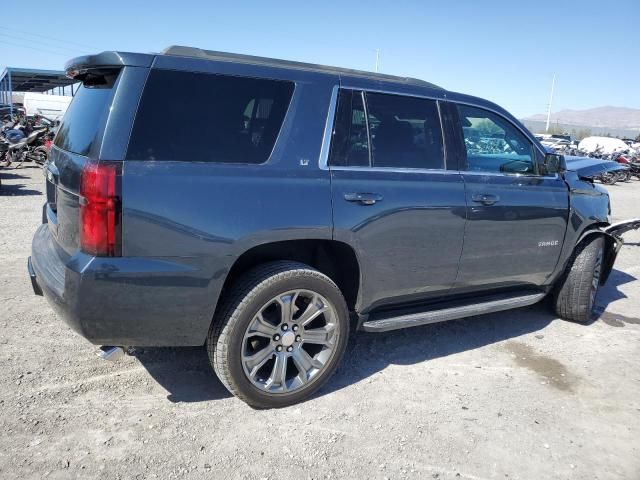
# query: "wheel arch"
{"type": "Point", "coordinates": [612, 245]}
{"type": "Point", "coordinates": [333, 258]}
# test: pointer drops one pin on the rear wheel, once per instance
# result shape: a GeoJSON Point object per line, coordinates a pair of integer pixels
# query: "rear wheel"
{"type": "Point", "coordinates": [40, 155]}
{"type": "Point", "coordinates": [280, 334]}
{"type": "Point", "coordinates": [576, 293]}
{"type": "Point", "coordinates": [608, 178]}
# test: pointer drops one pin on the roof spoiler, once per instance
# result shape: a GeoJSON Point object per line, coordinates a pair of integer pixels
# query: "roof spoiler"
{"type": "Point", "coordinates": [76, 66]}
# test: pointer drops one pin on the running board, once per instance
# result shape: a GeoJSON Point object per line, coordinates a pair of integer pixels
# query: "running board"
{"type": "Point", "coordinates": [490, 305]}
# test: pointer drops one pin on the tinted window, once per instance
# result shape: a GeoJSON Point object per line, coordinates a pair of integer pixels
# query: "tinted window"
{"type": "Point", "coordinates": [405, 132]}
{"type": "Point", "coordinates": [85, 115]}
{"type": "Point", "coordinates": [349, 145]}
{"type": "Point", "coordinates": [200, 117]}
{"type": "Point", "coordinates": [493, 144]}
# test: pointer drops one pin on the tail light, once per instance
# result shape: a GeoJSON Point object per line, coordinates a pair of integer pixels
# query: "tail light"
{"type": "Point", "coordinates": [622, 159]}
{"type": "Point", "coordinates": [100, 210]}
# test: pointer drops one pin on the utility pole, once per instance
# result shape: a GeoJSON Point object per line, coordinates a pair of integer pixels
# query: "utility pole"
{"type": "Point", "coordinates": [377, 59]}
{"type": "Point", "coordinates": [553, 83]}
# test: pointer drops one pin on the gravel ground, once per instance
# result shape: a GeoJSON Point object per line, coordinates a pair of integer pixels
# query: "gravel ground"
{"type": "Point", "coordinates": [518, 395]}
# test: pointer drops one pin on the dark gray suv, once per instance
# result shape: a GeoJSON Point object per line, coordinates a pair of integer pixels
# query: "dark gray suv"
{"type": "Point", "coordinates": [267, 208]}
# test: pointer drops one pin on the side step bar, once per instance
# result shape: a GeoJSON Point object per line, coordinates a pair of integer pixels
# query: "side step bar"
{"type": "Point", "coordinates": [490, 305]}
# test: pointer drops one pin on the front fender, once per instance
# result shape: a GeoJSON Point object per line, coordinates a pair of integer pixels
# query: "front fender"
{"type": "Point", "coordinates": [614, 241]}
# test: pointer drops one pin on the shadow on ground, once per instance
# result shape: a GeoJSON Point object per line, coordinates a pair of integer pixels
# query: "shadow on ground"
{"type": "Point", "coordinates": [17, 190]}
{"type": "Point", "coordinates": [184, 372]}
{"type": "Point", "coordinates": [14, 189]}
{"type": "Point", "coordinates": [4, 175]}
{"type": "Point", "coordinates": [187, 374]}
{"type": "Point", "coordinates": [608, 294]}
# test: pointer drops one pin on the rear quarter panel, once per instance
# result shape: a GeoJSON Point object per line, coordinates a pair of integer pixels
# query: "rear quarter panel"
{"type": "Point", "coordinates": [197, 218]}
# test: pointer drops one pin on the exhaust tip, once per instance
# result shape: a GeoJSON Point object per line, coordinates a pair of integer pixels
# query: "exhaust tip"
{"type": "Point", "coordinates": [110, 353]}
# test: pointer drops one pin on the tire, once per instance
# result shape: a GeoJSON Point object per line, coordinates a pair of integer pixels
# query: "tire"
{"type": "Point", "coordinates": [40, 155]}
{"type": "Point", "coordinates": [576, 292]}
{"type": "Point", "coordinates": [608, 178]}
{"type": "Point", "coordinates": [238, 327]}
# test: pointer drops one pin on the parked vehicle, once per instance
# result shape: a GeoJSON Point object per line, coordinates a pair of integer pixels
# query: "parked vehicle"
{"type": "Point", "coordinates": [28, 141]}
{"type": "Point", "coordinates": [551, 142]}
{"type": "Point", "coordinates": [50, 106]}
{"type": "Point", "coordinates": [305, 201]}
{"type": "Point", "coordinates": [624, 175]}
{"type": "Point", "coordinates": [604, 145]}
{"type": "Point", "coordinates": [634, 165]}
{"type": "Point", "coordinates": [6, 109]}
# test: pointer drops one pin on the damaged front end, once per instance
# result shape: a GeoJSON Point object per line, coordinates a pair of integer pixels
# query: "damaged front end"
{"type": "Point", "coordinates": [614, 242]}
{"type": "Point", "coordinates": [588, 202]}
{"type": "Point", "coordinates": [588, 168]}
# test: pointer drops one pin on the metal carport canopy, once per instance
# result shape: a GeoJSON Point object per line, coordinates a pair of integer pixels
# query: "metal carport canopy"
{"type": "Point", "coordinates": [30, 80]}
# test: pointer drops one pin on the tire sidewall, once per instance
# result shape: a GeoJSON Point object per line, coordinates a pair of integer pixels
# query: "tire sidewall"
{"type": "Point", "coordinates": [245, 313]}
{"type": "Point", "coordinates": [573, 300]}
{"type": "Point", "coordinates": [598, 250]}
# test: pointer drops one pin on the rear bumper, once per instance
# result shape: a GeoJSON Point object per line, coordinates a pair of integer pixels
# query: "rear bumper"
{"type": "Point", "coordinates": [34, 281]}
{"type": "Point", "coordinates": [125, 301]}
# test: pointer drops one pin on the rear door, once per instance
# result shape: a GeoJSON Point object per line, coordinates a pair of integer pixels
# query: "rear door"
{"type": "Point", "coordinates": [394, 200]}
{"type": "Point", "coordinates": [516, 217]}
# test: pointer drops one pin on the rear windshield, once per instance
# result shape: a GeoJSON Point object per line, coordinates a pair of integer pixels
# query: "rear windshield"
{"type": "Point", "coordinates": [199, 117]}
{"type": "Point", "coordinates": [82, 120]}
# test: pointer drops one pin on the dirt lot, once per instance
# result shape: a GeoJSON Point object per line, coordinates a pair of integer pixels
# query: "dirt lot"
{"type": "Point", "coordinates": [518, 395]}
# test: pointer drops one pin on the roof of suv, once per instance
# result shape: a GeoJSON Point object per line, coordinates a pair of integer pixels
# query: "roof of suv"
{"type": "Point", "coordinates": [125, 58]}
{"type": "Point", "coordinates": [177, 50]}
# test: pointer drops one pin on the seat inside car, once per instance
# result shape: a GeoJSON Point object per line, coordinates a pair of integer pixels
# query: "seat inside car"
{"type": "Point", "coordinates": [393, 145]}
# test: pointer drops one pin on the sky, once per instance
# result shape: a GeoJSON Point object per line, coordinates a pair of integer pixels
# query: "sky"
{"type": "Point", "coordinates": [505, 51]}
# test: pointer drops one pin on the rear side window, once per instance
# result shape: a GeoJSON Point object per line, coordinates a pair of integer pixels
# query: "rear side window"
{"type": "Point", "coordinates": [403, 132]}
{"type": "Point", "coordinates": [199, 117]}
{"type": "Point", "coordinates": [87, 112]}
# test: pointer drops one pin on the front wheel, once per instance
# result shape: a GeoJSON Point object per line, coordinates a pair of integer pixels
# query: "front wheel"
{"type": "Point", "coordinates": [279, 335]}
{"type": "Point", "coordinates": [576, 293]}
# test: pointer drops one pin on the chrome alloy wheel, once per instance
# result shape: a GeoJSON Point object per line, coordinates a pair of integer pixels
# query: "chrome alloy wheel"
{"type": "Point", "coordinates": [289, 341]}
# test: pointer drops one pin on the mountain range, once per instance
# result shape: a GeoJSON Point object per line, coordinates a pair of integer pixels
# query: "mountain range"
{"type": "Point", "coordinates": [616, 120]}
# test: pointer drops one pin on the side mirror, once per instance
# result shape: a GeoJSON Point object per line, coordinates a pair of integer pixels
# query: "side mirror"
{"type": "Point", "coordinates": [553, 163]}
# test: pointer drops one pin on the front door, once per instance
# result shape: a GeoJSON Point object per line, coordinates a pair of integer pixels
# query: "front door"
{"type": "Point", "coordinates": [516, 218]}
{"type": "Point", "coordinates": [393, 199]}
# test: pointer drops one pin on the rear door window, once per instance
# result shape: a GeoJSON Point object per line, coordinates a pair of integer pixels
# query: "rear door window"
{"type": "Point", "coordinates": [405, 132]}
{"type": "Point", "coordinates": [385, 130]}
{"type": "Point", "coordinates": [86, 114]}
{"type": "Point", "coordinates": [199, 117]}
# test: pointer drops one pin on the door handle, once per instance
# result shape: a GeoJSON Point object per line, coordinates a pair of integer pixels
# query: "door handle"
{"type": "Point", "coordinates": [363, 198]}
{"type": "Point", "coordinates": [485, 198]}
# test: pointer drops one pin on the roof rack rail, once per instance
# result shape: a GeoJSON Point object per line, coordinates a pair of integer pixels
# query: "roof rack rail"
{"type": "Point", "coordinates": [182, 51]}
